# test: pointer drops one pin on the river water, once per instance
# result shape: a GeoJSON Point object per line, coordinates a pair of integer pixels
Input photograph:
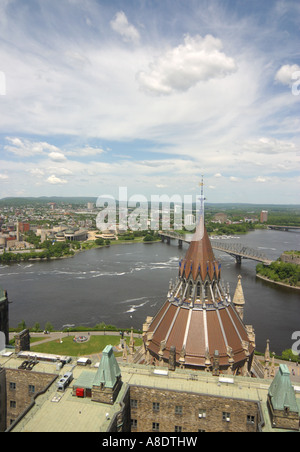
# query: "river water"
{"type": "Point", "coordinates": [123, 284]}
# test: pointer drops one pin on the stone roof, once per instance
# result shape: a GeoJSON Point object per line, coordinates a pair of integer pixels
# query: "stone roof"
{"type": "Point", "coordinates": [238, 298]}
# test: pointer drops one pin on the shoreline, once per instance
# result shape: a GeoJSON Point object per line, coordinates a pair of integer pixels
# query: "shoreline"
{"type": "Point", "coordinates": [264, 278]}
{"type": "Point", "coordinates": [69, 256]}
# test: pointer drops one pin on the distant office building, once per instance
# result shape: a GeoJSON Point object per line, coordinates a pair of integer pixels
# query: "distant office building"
{"type": "Point", "coordinates": [263, 216]}
{"type": "Point", "coordinates": [189, 220]}
{"type": "Point", "coordinates": [24, 227]}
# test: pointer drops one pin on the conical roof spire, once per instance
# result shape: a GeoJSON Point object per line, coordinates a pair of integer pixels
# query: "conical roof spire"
{"type": "Point", "coordinates": [200, 258]}
{"type": "Point", "coordinates": [238, 298]}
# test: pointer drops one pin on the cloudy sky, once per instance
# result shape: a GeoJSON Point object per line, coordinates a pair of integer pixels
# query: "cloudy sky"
{"type": "Point", "coordinates": [149, 95]}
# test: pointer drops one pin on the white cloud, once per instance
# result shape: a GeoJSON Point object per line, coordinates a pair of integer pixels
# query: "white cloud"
{"type": "Point", "coordinates": [4, 177]}
{"type": "Point", "coordinates": [121, 25]}
{"type": "Point", "coordinates": [57, 157]}
{"type": "Point", "coordinates": [286, 74]}
{"type": "Point", "coordinates": [179, 69]}
{"type": "Point", "coordinates": [261, 179]}
{"type": "Point", "coordinates": [27, 148]}
{"type": "Point", "coordinates": [86, 151]}
{"type": "Point", "coordinates": [60, 171]}
{"type": "Point", "coordinates": [53, 180]}
{"type": "Point", "coordinates": [269, 145]}
{"type": "Point", "coordinates": [36, 172]}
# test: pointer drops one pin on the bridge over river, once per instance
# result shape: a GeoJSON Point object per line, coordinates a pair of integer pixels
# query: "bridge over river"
{"type": "Point", "coordinates": [283, 228]}
{"type": "Point", "coordinates": [237, 250]}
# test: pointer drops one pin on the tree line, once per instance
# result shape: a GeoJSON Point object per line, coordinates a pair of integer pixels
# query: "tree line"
{"type": "Point", "coordinates": [280, 271]}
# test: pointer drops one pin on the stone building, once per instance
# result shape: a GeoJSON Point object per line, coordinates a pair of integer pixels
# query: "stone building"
{"type": "Point", "coordinates": [138, 398]}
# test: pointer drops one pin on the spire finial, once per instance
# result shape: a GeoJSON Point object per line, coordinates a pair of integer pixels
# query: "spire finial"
{"type": "Point", "coordinates": [202, 198]}
{"type": "Point", "coordinates": [200, 227]}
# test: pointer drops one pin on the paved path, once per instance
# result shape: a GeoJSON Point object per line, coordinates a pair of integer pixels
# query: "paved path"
{"type": "Point", "coordinates": [294, 369]}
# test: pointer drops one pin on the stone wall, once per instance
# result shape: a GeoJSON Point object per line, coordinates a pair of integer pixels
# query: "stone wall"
{"type": "Point", "coordinates": [121, 420]}
{"type": "Point", "coordinates": [171, 411]}
{"type": "Point", "coordinates": [106, 395]}
{"type": "Point", "coordinates": [22, 341]}
{"type": "Point", "coordinates": [21, 387]}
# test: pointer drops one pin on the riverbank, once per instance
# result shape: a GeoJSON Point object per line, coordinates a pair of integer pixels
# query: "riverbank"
{"type": "Point", "coordinates": [39, 255]}
{"type": "Point", "coordinates": [277, 282]}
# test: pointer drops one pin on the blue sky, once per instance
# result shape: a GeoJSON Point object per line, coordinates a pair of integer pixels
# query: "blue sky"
{"type": "Point", "coordinates": [150, 95]}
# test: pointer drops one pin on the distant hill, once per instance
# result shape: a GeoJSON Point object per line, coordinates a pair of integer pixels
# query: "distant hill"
{"type": "Point", "coordinates": [12, 202]}
{"type": "Point", "coordinates": [216, 207]}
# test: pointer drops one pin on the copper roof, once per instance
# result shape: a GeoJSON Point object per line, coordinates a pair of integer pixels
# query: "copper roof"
{"type": "Point", "coordinates": [198, 331]}
{"type": "Point", "coordinates": [198, 318]}
{"type": "Point", "coordinates": [200, 258]}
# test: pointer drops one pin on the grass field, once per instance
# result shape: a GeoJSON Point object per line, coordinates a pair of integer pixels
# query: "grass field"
{"type": "Point", "coordinates": [68, 347]}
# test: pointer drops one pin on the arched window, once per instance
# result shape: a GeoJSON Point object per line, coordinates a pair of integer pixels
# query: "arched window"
{"type": "Point", "coordinates": [206, 290]}
{"type": "Point", "coordinates": [198, 289]}
{"type": "Point", "coordinates": [191, 288]}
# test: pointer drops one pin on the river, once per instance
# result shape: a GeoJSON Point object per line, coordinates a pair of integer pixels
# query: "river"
{"type": "Point", "coordinates": [123, 284]}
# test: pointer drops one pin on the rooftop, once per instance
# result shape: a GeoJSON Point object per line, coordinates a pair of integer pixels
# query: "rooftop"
{"type": "Point", "coordinates": [56, 411]}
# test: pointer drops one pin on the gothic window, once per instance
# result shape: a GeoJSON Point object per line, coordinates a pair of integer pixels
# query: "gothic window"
{"type": "Point", "coordinates": [191, 288]}
{"type": "Point", "coordinates": [206, 289]}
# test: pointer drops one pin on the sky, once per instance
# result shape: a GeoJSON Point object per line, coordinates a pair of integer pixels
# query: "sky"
{"type": "Point", "coordinates": [150, 95]}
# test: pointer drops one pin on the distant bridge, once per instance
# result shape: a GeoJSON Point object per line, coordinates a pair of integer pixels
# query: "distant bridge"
{"type": "Point", "coordinates": [283, 228]}
{"type": "Point", "coordinates": [237, 250]}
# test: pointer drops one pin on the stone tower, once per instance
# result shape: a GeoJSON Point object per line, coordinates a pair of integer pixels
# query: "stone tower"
{"type": "Point", "coordinates": [4, 324]}
{"type": "Point", "coordinates": [282, 403]}
{"type": "Point", "coordinates": [238, 298]}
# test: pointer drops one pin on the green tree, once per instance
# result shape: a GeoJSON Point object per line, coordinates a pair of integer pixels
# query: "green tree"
{"type": "Point", "coordinates": [22, 326]}
{"type": "Point", "coordinates": [48, 326]}
{"type": "Point", "coordinates": [148, 238]}
{"type": "Point", "coordinates": [36, 328]}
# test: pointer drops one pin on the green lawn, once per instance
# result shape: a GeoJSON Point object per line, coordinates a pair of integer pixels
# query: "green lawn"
{"type": "Point", "coordinates": [68, 347]}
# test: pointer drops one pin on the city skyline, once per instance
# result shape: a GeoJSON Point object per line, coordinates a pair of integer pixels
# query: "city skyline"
{"type": "Point", "coordinates": [150, 95]}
